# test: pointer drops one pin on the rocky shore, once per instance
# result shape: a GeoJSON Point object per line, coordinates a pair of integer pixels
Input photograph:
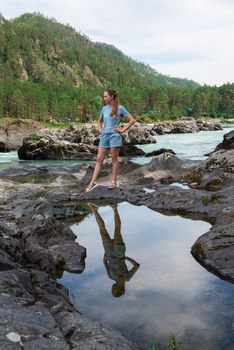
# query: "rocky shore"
{"type": "Point", "coordinates": [81, 142]}
{"type": "Point", "coordinates": [37, 245]}
{"type": "Point", "coordinates": [25, 135]}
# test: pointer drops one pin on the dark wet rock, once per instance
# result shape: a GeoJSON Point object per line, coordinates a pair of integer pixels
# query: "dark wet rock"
{"type": "Point", "coordinates": [214, 250]}
{"type": "Point", "coordinates": [2, 146]}
{"type": "Point", "coordinates": [228, 142]}
{"type": "Point", "coordinates": [25, 326]}
{"type": "Point", "coordinates": [159, 151]}
{"type": "Point", "coordinates": [164, 166]}
{"type": "Point", "coordinates": [218, 169]}
{"type": "Point", "coordinates": [130, 150]}
{"type": "Point", "coordinates": [35, 311]}
{"type": "Point", "coordinates": [60, 151]}
{"type": "Point", "coordinates": [85, 334]}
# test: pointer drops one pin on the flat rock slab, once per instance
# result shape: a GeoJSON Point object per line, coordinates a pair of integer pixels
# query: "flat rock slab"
{"type": "Point", "coordinates": [32, 327]}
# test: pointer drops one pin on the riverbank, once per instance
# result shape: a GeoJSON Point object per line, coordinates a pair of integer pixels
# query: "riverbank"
{"type": "Point", "coordinates": [36, 246]}
{"type": "Point", "coordinates": [13, 132]}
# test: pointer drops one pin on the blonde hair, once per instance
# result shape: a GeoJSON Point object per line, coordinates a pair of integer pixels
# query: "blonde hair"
{"type": "Point", "coordinates": [115, 107]}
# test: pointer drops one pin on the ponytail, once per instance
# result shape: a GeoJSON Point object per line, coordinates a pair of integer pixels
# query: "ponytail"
{"type": "Point", "coordinates": [115, 107]}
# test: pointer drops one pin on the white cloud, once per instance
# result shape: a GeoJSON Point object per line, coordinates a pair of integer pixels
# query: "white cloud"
{"type": "Point", "coordinates": [177, 37]}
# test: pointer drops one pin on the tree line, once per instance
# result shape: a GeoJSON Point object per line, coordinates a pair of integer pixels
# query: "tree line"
{"type": "Point", "coordinates": [66, 103]}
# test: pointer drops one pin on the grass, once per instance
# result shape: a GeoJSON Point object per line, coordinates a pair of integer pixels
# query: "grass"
{"type": "Point", "coordinates": [172, 345]}
{"type": "Point", "coordinates": [34, 137]}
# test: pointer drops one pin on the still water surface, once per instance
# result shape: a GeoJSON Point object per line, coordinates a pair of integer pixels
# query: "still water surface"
{"type": "Point", "coordinates": [169, 293]}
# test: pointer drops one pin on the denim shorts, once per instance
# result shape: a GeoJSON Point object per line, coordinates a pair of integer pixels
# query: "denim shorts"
{"type": "Point", "coordinates": [110, 140]}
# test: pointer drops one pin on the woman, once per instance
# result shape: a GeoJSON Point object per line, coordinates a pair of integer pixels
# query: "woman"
{"type": "Point", "coordinates": [110, 138]}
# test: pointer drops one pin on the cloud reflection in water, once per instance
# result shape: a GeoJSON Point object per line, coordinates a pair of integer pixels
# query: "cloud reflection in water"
{"type": "Point", "coordinates": [169, 293]}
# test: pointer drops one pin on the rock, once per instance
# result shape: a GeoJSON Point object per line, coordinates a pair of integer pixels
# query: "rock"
{"type": "Point", "coordinates": [177, 126]}
{"type": "Point", "coordinates": [217, 170]}
{"type": "Point", "coordinates": [185, 125]}
{"type": "Point", "coordinates": [12, 132]}
{"type": "Point", "coordinates": [159, 151]}
{"type": "Point", "coordinates": [77, 143]}
{"type": "Point", "coordinates": [2, 145]}
{"type": "Point", "coordinates": [34, 308]}
{"type": "Point", "coordinates": [228, 121]}
{"type": "Point", "coordinates": [209, 126]}
{"type": "Point", "coordinates": [228, 142]}
{"type": "Point", "coordinates": [138, 135]}
{"type": "Point", "coordinates": [214, 250]}
{"type": "Point", "coordinates": [60, 151]}
{"type": "Point", "coordinates": [129, 150]}
{"type": "Point", "coordinates": [165, 166]}
{"type": "Point", "coordinates": [85, 334]}
{"type": "Point", "coordinates": [28, 326]}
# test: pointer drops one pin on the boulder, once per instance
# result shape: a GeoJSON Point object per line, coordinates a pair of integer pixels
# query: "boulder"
{"type": "Point", "coordinates": [218, 169]}
{"type": "Point", "coordinates": [182, 125]}
{"type": "Point", "coordinates": [46, 149]}
{"type": "Point", "coordinates": [209, 126]}
{"type": "Point", "coordinates": [159, 151]}
{"type": "Point", "coordinates": [12, 132]}
{"type": "Point", "coordinates": [78, 143]}
{"type": "Point", "coordinates": [228, 142]}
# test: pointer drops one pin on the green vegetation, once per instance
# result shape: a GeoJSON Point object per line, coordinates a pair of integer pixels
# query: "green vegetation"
{"type": "Point", "coordinates": [214, 182]}
{"type": "Point", "coordinates": [173, 344]}
{"type": "Point", "coordinates": [50, 72]}
{"type": "Point", "coordinates": [198, 250]}
{"type": "Point", "coordinates": [212, 200]}
{"type": "Point", "coordinates": [34, 137]}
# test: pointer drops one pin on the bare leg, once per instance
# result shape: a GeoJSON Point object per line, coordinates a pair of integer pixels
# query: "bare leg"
{"type": "Point", "coordinates": [98, 166]}
{"type": "Point", "coordinates": [101, 224]}
{"type": "Point", "coordinates": [115, 162]}
{"type": "Point", "coordinates": [118, 239]}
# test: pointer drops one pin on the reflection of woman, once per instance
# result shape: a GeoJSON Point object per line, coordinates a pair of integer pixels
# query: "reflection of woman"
{"type": "Point", "coordinates": [114, 258]}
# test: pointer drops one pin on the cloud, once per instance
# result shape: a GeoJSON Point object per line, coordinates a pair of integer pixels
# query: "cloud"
{"type": "Point", "coordinates": [177, 37]}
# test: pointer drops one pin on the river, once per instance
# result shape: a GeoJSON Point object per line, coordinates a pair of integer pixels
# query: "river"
{"type": "Point", "coordinates": [191, 145]}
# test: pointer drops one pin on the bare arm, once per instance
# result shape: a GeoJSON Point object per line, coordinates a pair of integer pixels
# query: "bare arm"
{"type": "Point", "coordinates": [124, 128]}
{"type": "Point", "coordinates": [133, 269]}
{"type": "Point", "coordinates": [100, 124]}
{"type": "Point", "coordinates": [132, 261]}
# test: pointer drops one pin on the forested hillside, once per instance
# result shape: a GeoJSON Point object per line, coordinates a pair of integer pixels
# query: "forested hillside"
{"type": "Point", "coordinates": [47, 68]}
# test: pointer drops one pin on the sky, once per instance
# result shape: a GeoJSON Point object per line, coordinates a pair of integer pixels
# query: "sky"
{"type": "Point", "coordinates": [180, 38]}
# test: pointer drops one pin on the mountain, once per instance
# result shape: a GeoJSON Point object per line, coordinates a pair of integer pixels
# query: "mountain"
{"type": "Point", "coordinates": [50, 68]}
{"type": "Point", "coordinates": [43, 50]}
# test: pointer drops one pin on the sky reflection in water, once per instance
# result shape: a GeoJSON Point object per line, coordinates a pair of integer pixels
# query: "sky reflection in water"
{"type": "Point", "coordinates": [169, 293]}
